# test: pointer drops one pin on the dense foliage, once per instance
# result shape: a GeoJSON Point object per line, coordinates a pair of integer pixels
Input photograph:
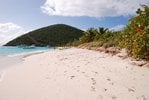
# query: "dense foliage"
{"type": "Point", "coordinates": [135, 36]}
{"type": "Point", "coordinates": [103, 36]}
{"type": "Point", "coordinates": [54, 35]}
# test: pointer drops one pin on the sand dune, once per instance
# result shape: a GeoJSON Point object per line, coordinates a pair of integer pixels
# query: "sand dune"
{"type": "Point", "coordinates": [74, 74]}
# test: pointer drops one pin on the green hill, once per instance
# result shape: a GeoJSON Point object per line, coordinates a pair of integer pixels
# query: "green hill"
{"type": "Point", "coordinates": [54, 35]}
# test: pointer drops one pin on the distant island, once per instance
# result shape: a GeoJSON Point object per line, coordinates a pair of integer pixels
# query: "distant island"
{"type": "Point", "coordinates": [54, 35]}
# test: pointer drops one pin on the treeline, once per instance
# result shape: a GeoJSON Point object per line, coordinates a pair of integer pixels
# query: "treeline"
{"type": "Point", "coordinates": [134, 37]}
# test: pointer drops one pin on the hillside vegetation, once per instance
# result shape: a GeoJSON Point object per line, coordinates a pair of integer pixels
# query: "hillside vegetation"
{"type": "Point", "coordinates": [54, 35]}
{"type": "Point", "coordinates": [134, 37]}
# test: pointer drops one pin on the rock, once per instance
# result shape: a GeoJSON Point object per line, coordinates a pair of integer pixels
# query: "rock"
{"type": "Point", "coordinates": [122, 54]}
{"type": "Point", "coordinates": [146, 65]}
{"type": "Point", "coordinates": [112, 50]}
{"type": "Point", "coordinates": [139, 63]}
{"type": "Point", "coordinates": [101, 49]}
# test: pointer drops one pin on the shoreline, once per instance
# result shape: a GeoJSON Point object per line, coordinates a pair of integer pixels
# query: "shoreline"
{"type": "Point", "coordinates": [74, 74]}
{"type": "Point", "coordinates": [6, 62]}
{"type": "Point", "coordinates": [11, 60]}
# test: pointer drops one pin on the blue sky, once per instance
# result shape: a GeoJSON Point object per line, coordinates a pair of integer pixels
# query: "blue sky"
{"type": "Point", "coordinates": [20, 16]}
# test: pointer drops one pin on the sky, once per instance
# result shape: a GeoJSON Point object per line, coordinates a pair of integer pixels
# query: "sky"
{"type": "Point", "coordinates": [21, 16]}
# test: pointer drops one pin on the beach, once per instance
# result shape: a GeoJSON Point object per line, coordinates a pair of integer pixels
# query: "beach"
{"type": "Point", "coordinates": [74, 74]}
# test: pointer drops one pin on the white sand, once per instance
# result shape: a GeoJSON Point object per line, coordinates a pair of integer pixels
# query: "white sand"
{"type": "Point", "coordinates": [6, 62]}
{"type": "Point", "coordinates": [74, 74]}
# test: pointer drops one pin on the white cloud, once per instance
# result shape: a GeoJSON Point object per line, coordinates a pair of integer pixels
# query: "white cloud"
{"type": "Point", "coordinates": [9, 31]}
{"type": "Point", "coordinates": [92, 8]}
{"type": "Point", "coordinates": [117, 27]}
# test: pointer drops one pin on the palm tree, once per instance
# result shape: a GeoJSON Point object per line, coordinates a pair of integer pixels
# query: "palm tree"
{"type": "Point", "coordinates": [100, 32]}
{"type": "Point", "coordinates": [88, 35]}
{"type": "Point", "coordinates": [93, 34]}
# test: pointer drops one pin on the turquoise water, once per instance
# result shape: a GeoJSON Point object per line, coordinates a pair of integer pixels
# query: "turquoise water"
{"type": "Point", "coordinates": [9, 50]}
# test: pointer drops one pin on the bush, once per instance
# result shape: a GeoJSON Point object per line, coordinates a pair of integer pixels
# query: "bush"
{"type": "Point", "coordinates": [135, 36]}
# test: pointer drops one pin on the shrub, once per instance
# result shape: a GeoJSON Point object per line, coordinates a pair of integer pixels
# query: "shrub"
{"type": "Point", "coordinates": [135, 36]}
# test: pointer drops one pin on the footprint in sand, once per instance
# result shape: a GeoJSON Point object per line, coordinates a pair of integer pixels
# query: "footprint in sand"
{"type": "Point", "coordinates": [71, 77]}
{"type": "Point", "coordinates": [131, 69]}
{"type": "Point", "coordinates": [65, 71]}
{"type": "Point", "coordinates": [110, 71]}
{"type": "Point", "coordinates": [78, 66]}
{"type": "Point", "coordinates": [87, 63]}
{"type": "Point", "coordinates": [112, 83]}
{"type": "Point", "coordinates": [95, 72]}
{"type": "Point", "coordinates": [114, 97]}
{"type": "Point", "coordinates": [83, 72]}
{"type": "Point", "coordinates": [105, 90]}
{"type": "Point", "coordinates": [131, 89]}
{"type": "Point", "coordinates": [93, 88]}
{"type": "Point", "coordinates": [100, 97]}
{"type": "Point", "coordinates": [109, 79]}
{"type": "Point", "coordinates": [93, 84]}
{"type": "Point", "coordinates": [93, 81]}
{"type": "Point", "coordinates": [78, 70]}
{"type": "Point", "coordinates": [47, 77]}
{"type": "Point", "coordinates": [86, 76]}
{"type": "Point", "coordinates": [134, 78]}
{"type": "Point", "coordinates": [142, 98]}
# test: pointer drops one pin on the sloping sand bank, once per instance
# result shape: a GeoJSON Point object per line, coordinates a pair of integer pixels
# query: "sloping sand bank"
{"type": "Point", "coordinates": [74, 74]}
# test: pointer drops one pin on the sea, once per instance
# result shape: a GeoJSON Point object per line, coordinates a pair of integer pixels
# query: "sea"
{"type": "Point", "coordinates": [15, 50]}
{"type": "Point", "coordinates": [11, 55]}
